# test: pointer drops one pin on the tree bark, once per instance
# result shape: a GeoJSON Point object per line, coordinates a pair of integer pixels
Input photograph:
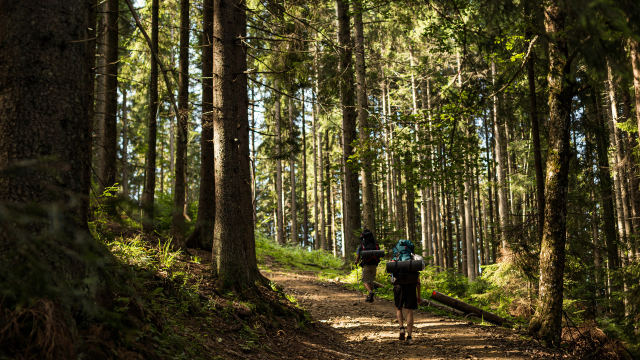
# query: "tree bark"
{"type": "Point", "coordinates": [498, 135]}
{"type": "Point", "coordinates": [108, 157]}
{"type": "Point", "coordinates": [148, 194]}
{"type": "Point", "coordinates": [547, 321]}
{"type": "Point", "coordinates": [279, 215]}
{"type": "Point", "coordinates": [314, 133]}
{"type": "Point", "coordinates": [180, 175]}
{"type": "Point", "coordinates": [327, 184]}
{"type": "Point", "coordinates": [606, 184]}
{"type": "Point", "coordinates": [202, 235]}
{"type": "Point", "coordinates": [347, 103]}
{"type": "Point", "coordinates": [323, 235]}
{"type": "Point", "coordinates": [231, 220]}
{"type": "Point", "coordinates": [125, 144]}
{"type": "Point", "coordinates": [244, 178]}
{"type": "Point", "coordinates": [535, 131]}
{"type": "Point", "coordinates": [47, 251]}
{"type": "Point", "coordinates": [292, 174]}
{"type": "Point", "coordinates": [620, 174]}
{"type": "Point", "coordinates": [305, 215]}
{"type": "Point", "coordinates": [368, 201]}
{"type": "Point", "coordinates": [411, 209]}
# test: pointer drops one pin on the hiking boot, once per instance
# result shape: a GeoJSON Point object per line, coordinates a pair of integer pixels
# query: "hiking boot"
{"type": "Point", "coordinates": [372, 296]}
{"type": "Point", "coordinates": [368, 299]}
{"type": "Point", "coordinates": [402, 333]}
{"type": "Point", "coordinates": [409, 340]}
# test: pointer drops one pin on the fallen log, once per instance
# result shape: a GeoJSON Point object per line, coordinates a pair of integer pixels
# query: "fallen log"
{"type": "Point", "coordinates": [377, 285]}
{"type": "Point", "coordinates": [467, 308]}
{"type": "Point", "coordinates": [426, 302]}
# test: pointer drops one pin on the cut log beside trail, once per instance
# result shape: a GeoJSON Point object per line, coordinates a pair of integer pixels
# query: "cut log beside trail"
{"type": "Point", "coordinates": [467, 308]}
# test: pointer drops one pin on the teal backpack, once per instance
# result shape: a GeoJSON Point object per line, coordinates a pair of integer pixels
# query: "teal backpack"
{"type": "Point", "coordinates": [403, 250]}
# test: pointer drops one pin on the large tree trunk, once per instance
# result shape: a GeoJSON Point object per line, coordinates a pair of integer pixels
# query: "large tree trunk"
{"type": "Point", "coordinates": [498, 135]}
{"type": "Point", "coordinates": [47, 251]}
{"type": "Point", "coordinates": [108, 157]}
{"type": "Point", "coordinates": [148, 194]}
{"type": "Point", "coordinates": [352, 193]}
{"type": "Point", "coordinates": [202, 235]}
{"type": "Point", "coordinates": [368, 201]}
{"type": "Point", "coordinates": [90, 96]}
{"type": "Point", "coordinates": [292, 174]}
{"type": "Point", "coordinates": [231, 220]}
{"type": "Point", "coordinates": [279, 212]}
{"type": "Point", "coordinates": [244, 156]}
{"type": "Point", "coordinates": [547, 321]}
{"type": "Point", "coordinates": [180, 177]}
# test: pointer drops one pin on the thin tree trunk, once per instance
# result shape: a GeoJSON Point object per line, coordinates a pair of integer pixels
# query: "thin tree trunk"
{"type": "Point", "coordinates": [280, 216]}
{"type": "Point", "coordinates": [148, 195]}
{"type": "Point", "coordinates": [547, 321]}
{"type": "Point", "coordinates": [305, 215]}
{"type": "Point", "coordinates": [411, 210]}
{"type": "Point", "coordinates": [125, 145]}
{"type": "Point", "coordinates": [292, 173]}
{"type": "Point", "coordinates": [315, 145]}
{"type": "Point", "coordinates": [323, 235]}
{"type": "Point", "coordinates": [464, 233]}
{"type": "Point", "coordinates": [202, 235]}
{"type": "Point", "coordinates": [180, 174]}
{"type": "Point", "coordinates": [620, 172]}
{"type": "Point", "coordinates": [535, 131]}
{"type": "Point", "coordinates": [347, 103]}
{"type": "Point", "coordinates": [461, 265]}
{"type": "Point", "coordinates": [438, 230]}
{"type": "Point", "coordinates": [329, 218]}
{"type": "Point", "coordinates": [498, 134]}
{"type": "Point", "coordinates": [606, 185]}
{"type": "Point", "coordinates": [108, 157]}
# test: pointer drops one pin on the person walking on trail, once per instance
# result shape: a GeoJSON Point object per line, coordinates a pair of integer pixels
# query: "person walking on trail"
{"type": "Point", "coordinates": [369, 265]}
{"type": "Point", "coordinates": [406, 289]}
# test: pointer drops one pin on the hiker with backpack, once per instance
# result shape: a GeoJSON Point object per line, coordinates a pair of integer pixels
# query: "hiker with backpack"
{"type": "Point", "coordinates": [405, 278]}
{"type": "Point", "coordinates": [368, 264]}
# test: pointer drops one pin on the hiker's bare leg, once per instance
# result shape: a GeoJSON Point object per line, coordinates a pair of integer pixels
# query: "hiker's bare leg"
{"type": "Point", "coordinates": [399, 315]}
{"type": "Point", "coordinates": [368, 286]}
{"type": "Point", "coordinates": [409, 321]}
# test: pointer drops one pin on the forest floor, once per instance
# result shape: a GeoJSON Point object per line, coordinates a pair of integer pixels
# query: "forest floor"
{"type": "Point", "coordinates": [361, 330]}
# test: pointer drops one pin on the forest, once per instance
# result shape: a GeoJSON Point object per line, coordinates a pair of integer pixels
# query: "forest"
{"type": "Point", "coordinates": [496, 134]}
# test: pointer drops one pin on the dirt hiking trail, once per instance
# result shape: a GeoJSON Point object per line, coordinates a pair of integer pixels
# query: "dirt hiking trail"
{"type": "Point", "coordinates": [361, 330]}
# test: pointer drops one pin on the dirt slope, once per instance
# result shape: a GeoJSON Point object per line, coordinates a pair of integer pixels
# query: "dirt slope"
{"type": "Point", "coordinates": [361, 330]}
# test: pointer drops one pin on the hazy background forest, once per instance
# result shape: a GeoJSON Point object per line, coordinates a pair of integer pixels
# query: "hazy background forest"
{"type": "Point", "coordinates": [501, 137]}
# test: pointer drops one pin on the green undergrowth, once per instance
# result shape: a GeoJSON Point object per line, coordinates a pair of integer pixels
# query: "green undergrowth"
{"type": "Point", "coordinates": [159, 310]}
{"type": "Point", "coordinates": [287, 257]}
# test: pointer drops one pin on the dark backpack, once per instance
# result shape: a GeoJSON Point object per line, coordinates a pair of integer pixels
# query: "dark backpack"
{"type": "Point", "coordinates": [367, 242]}
{"type": "Point", "coordinates": [403, 251]}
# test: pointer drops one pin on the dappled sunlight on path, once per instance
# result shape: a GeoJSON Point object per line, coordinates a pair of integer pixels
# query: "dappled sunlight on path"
{"type": "Point", "coordinates": [370, 331]}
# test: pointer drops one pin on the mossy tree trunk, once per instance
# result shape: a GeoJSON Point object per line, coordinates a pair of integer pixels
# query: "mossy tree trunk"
{"type": "Point", "coordinates": [547, 321]}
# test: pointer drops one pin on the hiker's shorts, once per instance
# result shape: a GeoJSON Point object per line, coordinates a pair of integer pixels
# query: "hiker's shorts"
{"type": "Point", "coordinates": [405, 296]}
{"type": "Point", "coordinates": [369, 273]}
